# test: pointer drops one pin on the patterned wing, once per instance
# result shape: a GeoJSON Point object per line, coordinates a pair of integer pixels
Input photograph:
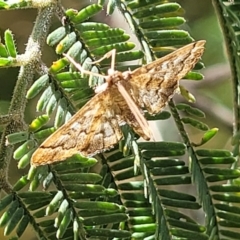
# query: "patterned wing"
{"type": "Point", "coordinates": [93, 129]}
{"type": "Point", "coordinates": [154, 84]}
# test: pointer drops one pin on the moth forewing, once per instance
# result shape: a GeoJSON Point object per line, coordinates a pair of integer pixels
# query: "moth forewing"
{"type": "Point", "coordinates": [95, 127]}
{"type": "Point", "coordinates": [91, 130]}
{"type": "Point", "coordinates": [154, 84]}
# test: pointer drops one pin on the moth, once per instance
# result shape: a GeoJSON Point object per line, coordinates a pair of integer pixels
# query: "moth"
{"type": "Point", "coordinates": [96, 126]}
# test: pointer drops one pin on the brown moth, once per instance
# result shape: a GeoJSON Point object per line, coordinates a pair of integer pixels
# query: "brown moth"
{"type": "Point", "coordinates": [96, 126]}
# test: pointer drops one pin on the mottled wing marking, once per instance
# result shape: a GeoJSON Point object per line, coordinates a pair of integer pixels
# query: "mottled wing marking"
{"type": "Point", "coordinates": [93, 129]}
{"type": "Point", "coordinates": [154, 84]}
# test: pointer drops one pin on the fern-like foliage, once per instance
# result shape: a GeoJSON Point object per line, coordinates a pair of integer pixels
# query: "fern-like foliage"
{"type": "Point", "coordinates": [136, 191]}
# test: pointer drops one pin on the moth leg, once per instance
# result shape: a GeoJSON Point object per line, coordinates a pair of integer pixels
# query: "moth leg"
{"type": "Point", "coordinates": [81, 69]}
{"type": "Point", "coordinates": [109, 54]}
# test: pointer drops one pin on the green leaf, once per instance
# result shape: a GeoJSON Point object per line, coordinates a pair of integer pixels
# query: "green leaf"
{"type": "Point", "coordinates": [81, 177]}
{"type": "Point", "coordinates": [44, 99]}
{"type": "Point", "coordinates": [37, 123]}
{"type": "Point", "coordinates": [25, 160]}
{"type": "Point", "coordinates": [158, 10]}
{"type": "Point", "coordinates": [52, 103]}
{"type": "Point", "coordinates": [23, 149]}
{"type": "Point", "coordinates": [17, 137]}
{"type": "Point", "coordinates": [22, 225]}
{"type": "Point", "coordinates": [111, 7]}
{"type": "Point", "coordinates": [21, 183]}
{"type": "Point", "coordinates": [103, 206]}
{"type": "Point", "coordinates": [213, 153]}
{"type": "Point", "coordinates": [61, 113]}
{"type": "Point", "coordinates": [66, 43]}
{"type": "Point", "coordinates": [195, 123]}
{"type": "Point", "coordinates": [15, 219]}
{"type": "Point", "coordinates": [10, 45]}
{"type": "Point", "coordinates": [54, 204]}
{"type": "Point", "coordinates": [61, 212]}
{"type": "Point", "coordinates": [120, 47]}
{"type": "Point", "coordinates": [64, 223]}
{"type": "Point", "coordinates": [57, 35]}
{"type": "Point", "coordinates": [44, 133]}
{"type": "Point", "coordinates": [190, 110]}
{"type": "Point", "coordinates": [84, 14]}
{"type": "Point", "coordinates": [5, 61]}
{"type": "Point", "coordinates": [38, 86]}
{"type": "Point", "coordinates": [105, 219]}
{"type": "Point", "coordinates": [4, 202]}
{"type": "Point", "coordinates": [217, 160]}
{"type": "Point", "coordinates": [206, 137]}
{"type": "Point", "coordinates": [3, 50]}
{"type": "Point", "coordinates": [6, 217]}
